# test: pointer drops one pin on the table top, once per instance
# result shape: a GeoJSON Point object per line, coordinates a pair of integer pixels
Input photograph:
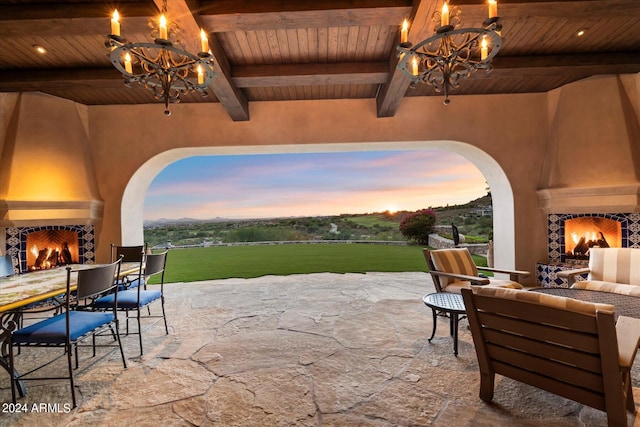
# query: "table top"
{"type": "Point", "coordinates": [626, 305]}
{"type": "Point", "coordinates": [445, 301]}
{"type": "Point", "coordinates": [23, 289]}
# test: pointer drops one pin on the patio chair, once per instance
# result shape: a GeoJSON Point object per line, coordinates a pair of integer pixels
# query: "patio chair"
{"type": "Point", "coordinates": [6, 266]}
{"type": "Point", "coordinates": [135, 299]}
{"type": "Point", "coordinates": [453, 269]}
{"type": "Point", "coordinates": [129, 254]}
{"type": "Point", "coordinates": [68, 329]}
{"type": "Point", "coordinates": [571, 348]}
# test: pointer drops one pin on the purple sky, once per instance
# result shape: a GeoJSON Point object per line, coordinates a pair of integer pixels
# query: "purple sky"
{"type": "Point", "coordinates": [310, 184]}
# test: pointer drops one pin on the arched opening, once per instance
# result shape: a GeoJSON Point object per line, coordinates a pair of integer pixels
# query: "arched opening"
{"type": "Point", "coordinates": [503, 205]}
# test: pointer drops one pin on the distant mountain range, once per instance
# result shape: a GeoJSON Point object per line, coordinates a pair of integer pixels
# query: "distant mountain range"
{"type": "Point", "coordinates": [480, 204]}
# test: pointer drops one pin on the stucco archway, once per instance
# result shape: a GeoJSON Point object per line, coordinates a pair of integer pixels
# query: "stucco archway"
{"type": "Point", "coordinates": [503, 205]}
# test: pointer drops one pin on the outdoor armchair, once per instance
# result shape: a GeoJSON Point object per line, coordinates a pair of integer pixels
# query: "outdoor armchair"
{"type": "Point", "coordinates": [608, 266]}
{"type": "Point", "coordinates": [571, 348]}
{"type": "Point", "coordinates": [453, 269]}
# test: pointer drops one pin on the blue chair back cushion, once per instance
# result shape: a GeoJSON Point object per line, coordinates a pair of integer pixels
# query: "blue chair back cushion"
{"type": "Point", "coordinates": [53, 329]}
{"type": "Point", "coordinates": [128, 300]}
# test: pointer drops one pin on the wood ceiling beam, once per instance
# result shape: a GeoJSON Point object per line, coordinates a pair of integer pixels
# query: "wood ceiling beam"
{"type": "Point", "coordinates": [391, 93]}
{"type": "Point", "coordinates": [576, 9]}
{"type": "Point", "coordinates": [230, 96]}
{"type": "Point", "coordinates": [47, 79]}
{"type": "Point", "coordinates": [576, 64]}
{"type": "Point", "coordinates": [251, 15]}
{"type": "Point", "coordinates": [73, 19]}
{"type": "Point", "coordinates": [321, 74]}
{"type": "Point", "coordinates": [310, 74]}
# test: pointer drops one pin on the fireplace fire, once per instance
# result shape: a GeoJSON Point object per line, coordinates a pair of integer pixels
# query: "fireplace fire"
{"type": "Point", "coordinates": [582, 234]}
{"type": "Point", "coordinates": [51, 248]}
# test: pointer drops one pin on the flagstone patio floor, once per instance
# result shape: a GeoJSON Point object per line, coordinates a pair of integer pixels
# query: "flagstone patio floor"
{"type": "Point", "coordinates": [302, 350]}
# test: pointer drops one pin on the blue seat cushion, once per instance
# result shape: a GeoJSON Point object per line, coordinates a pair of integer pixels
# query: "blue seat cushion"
{"type": "Point", "coordinates": [53, 329]}
{"type": "Point", "coordinates": [128, 299]}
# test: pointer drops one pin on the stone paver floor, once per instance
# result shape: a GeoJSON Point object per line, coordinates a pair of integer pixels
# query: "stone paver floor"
{"type": "Point", "coordinates": [303, 350]}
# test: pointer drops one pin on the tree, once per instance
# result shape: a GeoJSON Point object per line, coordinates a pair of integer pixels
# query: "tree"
{"type": "Point", "coordinates": [418, 225]}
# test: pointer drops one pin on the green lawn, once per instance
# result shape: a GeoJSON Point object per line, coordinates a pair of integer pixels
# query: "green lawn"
{"type": "Point", "coordinates": [195, 264]}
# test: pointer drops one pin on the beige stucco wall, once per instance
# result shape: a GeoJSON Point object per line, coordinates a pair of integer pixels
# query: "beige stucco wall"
{"type": "Point", "coordinates": [528, 137]}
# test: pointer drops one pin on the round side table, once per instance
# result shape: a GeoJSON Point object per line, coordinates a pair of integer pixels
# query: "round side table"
{"type": "Point", "coordinates": [452, 306]}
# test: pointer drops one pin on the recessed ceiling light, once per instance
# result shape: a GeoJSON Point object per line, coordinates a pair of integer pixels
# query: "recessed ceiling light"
{"type": "Point", "coordinates": [581, 32]}
{"type": "Point", "coordinates": [41, 50]}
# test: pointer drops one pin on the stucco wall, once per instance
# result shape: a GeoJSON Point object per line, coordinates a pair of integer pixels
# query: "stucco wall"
{"type": "Point", "coordinates": [529, 136]}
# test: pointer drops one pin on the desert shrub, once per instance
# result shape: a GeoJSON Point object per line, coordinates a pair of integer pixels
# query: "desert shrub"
{"type": "Point", "coordinates": [418, 225]}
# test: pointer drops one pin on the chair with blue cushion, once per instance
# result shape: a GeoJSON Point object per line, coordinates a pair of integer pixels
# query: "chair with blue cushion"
{"type": "Point", "coordinates": [134, 300]}
{"type": "Point", "coordinates": [68, 329]}
{"type": "Point", "coordinates": [129, 254]}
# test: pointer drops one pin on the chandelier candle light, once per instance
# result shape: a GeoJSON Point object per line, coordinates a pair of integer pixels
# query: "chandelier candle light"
{"type": "Point", "coordinates": [163, 66]}
{"type": "Point", "coordinates": [453, 52]}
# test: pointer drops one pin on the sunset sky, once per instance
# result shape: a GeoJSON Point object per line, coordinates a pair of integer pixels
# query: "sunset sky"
{"type": "Point", "coordinates": [311, 184]}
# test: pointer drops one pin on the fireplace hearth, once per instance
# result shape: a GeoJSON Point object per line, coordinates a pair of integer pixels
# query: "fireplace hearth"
{"type": "Point", "coordinates": [43, 247]}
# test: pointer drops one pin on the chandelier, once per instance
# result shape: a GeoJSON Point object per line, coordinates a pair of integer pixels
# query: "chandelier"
{"type": "Point", "coordinates": [452, 53]}
{"type": "Point", "coordinates": [163, 67]}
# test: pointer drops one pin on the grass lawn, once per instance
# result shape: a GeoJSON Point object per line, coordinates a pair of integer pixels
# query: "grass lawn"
{"type": "Point", "coordinates": [195, 264]}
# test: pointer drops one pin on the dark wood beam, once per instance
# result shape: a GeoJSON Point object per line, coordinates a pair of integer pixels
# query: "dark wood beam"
{"type": "Point", "coordinates": [391, 93]}
{"type": "Point", "coordinates": [310, 74]}
{"type": "Point", "coordinates": [72, 19]}
{"type": "Point", "coordinates": [43, 80]}
{"type": "Point", "coordinates": [232, 99]}
{"type": "Point", "coordinates": [576, 9]}
{"type": "Point", "coordinates": [250, 15]}
{"type": "Point", "coordinates": [575, 64]}
{"type": "Point", "coordinates": [321, 74]}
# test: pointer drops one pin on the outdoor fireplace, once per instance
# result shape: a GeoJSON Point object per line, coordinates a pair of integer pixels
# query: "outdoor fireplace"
{"type": "Point", "coordinates": [571, 236]}
{"type": "Point", "coordinates": [43, 247]}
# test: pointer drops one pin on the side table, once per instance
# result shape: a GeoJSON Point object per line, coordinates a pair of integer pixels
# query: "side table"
{"type": "Point", "coordinates": [450, 304]}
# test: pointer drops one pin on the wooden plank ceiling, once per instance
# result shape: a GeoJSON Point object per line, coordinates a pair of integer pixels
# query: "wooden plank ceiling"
{"type": "Point", "coordinates": [273, 50]}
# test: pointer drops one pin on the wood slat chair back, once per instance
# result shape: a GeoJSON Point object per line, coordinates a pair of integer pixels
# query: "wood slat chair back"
{"type": "Point", "coordinates": [564, 346]}
{"type": "Point", "coordinates": [128, 253]}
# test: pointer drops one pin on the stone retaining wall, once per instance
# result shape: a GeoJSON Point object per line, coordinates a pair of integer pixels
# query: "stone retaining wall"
{"type": "Point", "coordinates": [439, 242]}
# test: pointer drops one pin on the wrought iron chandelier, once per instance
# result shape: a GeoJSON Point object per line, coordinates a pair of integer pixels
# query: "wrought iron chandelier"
{"type": "Point", "coordinates": [163, 67]}
{"type": "Point", "coordinates": [453, 52]}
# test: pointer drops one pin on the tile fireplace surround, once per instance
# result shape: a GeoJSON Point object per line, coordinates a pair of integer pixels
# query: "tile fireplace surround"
{"type": "Point", "coordinates": [16, 241]}
{"type": "Point", "coordinates": [546, 272]}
